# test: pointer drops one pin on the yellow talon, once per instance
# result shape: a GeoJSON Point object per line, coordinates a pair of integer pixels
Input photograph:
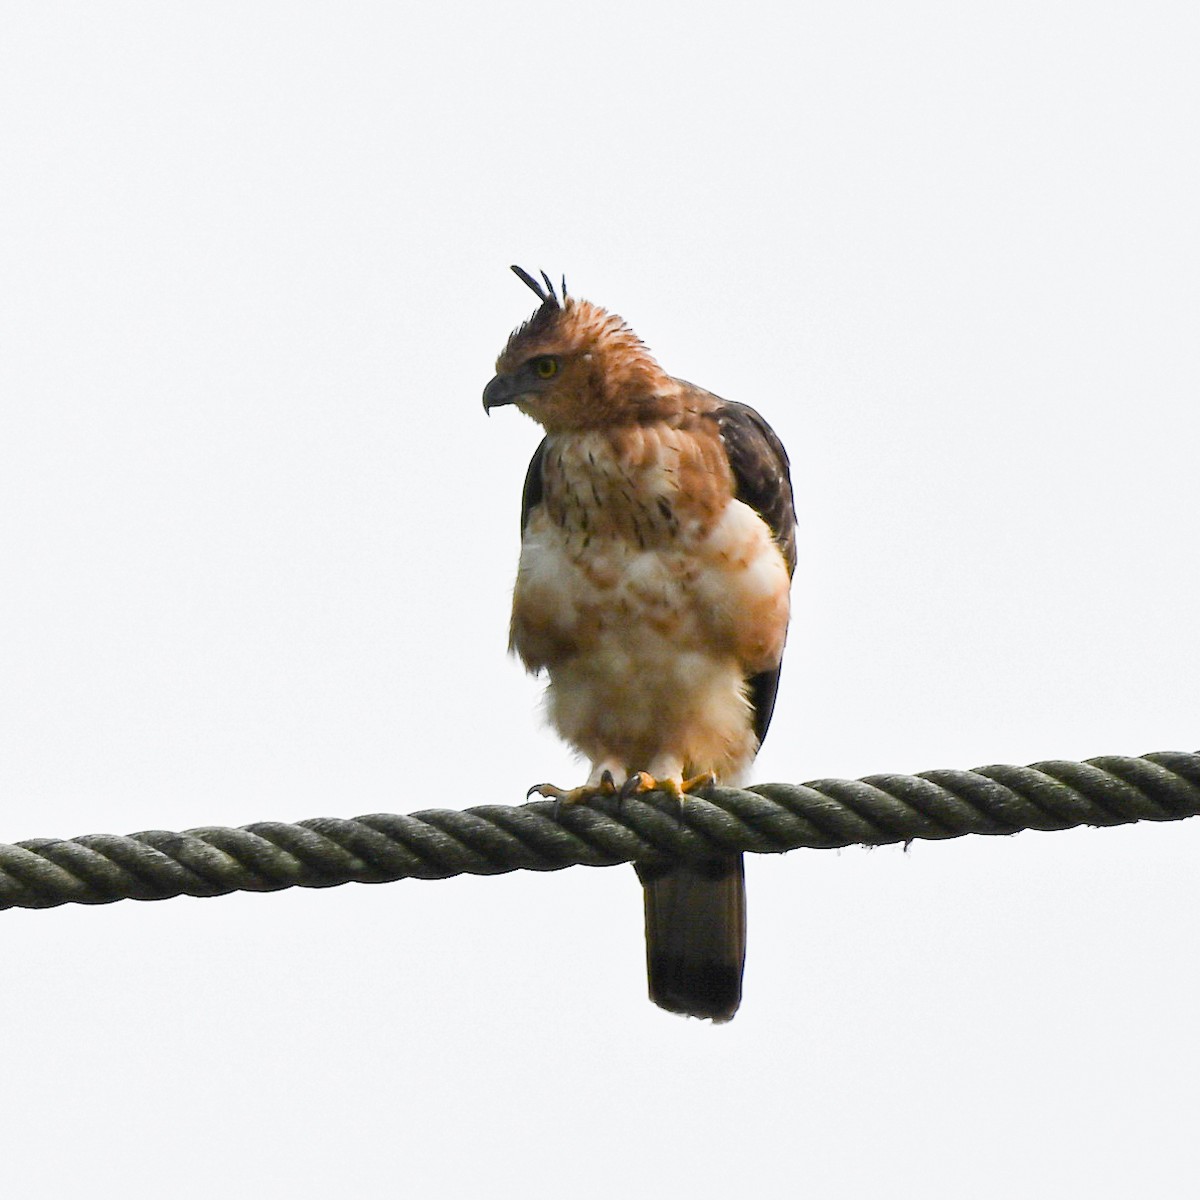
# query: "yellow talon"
{"type": "Point", "coordinates": [578, 795]}
{"type": "Point", "coordinates": [641, 782]}
{"type": "Point", "coordinates": [699, 783]}
{"type": "Point", "coordinates": [638, 784]}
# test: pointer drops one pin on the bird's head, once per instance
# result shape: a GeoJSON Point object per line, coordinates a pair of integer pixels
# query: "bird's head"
{"type": "Point", "coordinates": [573, 365]}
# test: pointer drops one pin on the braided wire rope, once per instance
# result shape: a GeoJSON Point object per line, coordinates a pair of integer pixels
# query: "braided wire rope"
{"type": "Point", "coordinates": [492, 839]}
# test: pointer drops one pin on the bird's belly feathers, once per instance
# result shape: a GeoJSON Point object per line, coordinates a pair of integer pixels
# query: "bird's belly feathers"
{"type": "Point", "coordinates": [649, 646]}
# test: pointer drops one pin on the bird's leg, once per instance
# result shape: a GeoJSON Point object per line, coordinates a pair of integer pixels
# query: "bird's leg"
{"type": "Point", "coordinates": [601, 783]}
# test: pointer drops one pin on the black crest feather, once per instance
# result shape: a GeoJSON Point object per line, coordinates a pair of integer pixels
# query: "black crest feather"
{"type": "Point", "coordinates": [546, 294]}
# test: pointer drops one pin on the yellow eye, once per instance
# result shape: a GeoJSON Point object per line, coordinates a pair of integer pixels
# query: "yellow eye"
{"type": "Point", "coordinates": [545, 368]}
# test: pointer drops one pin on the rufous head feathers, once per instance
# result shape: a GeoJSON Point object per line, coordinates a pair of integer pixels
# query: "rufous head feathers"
{"type": "Point", "coordinates": [573, 365]}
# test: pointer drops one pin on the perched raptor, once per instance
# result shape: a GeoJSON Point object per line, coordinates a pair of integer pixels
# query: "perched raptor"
{"type": "Point", "coordinates": [658, 539]}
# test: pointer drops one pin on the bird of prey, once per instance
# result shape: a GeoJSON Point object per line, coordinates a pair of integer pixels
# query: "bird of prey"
{"type": "Point", "coordinates": [658, 540]}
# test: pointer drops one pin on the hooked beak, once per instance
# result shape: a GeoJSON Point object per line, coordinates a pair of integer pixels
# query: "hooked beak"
{"type": "Point", "coordinates": [504, 389]}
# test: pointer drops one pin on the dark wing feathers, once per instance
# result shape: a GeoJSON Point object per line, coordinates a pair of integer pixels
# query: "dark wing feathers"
{"type": "Point", "coordinates": [532, 495]}
{"type": "Point", "coordinates": [761, 472]}
{"type": "Point", "coordinates": [762, 479]}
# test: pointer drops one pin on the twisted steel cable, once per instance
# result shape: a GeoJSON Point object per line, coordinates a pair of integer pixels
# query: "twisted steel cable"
{"type": "Point", "coordinates": [492, 839]}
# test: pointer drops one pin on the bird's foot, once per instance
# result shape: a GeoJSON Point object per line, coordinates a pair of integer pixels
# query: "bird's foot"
{"type": "Point", "coordinates": [578, 795]}
{"type": "Point", "coordinates": [675, 786]}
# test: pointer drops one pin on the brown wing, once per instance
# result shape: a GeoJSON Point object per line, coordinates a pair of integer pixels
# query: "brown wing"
{"type": "Point", "coordinates": [761, 472]}
{"type": "Point", "coordinates": [763, 480]}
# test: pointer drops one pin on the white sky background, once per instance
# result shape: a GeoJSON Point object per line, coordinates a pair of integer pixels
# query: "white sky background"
{"type": "Point", "coordinates": [258, 539]}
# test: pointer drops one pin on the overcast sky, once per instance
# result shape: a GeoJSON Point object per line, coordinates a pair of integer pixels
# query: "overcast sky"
{"type": "Point", "coordinates": [258, 539]}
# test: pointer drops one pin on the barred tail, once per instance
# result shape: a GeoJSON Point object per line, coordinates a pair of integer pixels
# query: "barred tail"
{"type": "Point", "coordinates": [696, 936]}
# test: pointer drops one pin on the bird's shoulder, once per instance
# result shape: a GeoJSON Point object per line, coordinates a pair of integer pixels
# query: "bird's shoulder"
{"type": "Point", "coordinates": [762, 477]}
